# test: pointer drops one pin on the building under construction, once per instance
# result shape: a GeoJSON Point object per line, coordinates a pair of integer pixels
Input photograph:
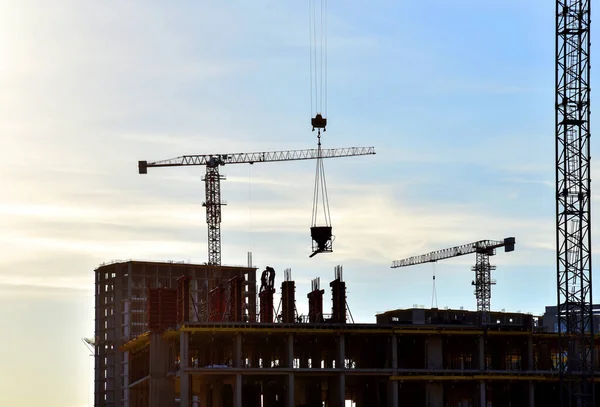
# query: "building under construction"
{"type": "Point", "coordinates": [164, 339]}
{"type": "Point", "coordinates": [126, 297]}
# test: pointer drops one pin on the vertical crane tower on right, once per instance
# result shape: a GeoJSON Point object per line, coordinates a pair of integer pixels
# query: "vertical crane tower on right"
{"type": "Point", "coordinates": [573, 194]}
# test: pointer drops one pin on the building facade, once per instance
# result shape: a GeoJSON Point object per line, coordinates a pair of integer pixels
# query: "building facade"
{"type": "Point", "coordinates": [121, 313]}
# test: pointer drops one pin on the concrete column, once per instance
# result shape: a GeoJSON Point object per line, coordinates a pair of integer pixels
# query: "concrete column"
{"type": "Point", "coordinates": [184, 346]}
{"type": "Point", "coordinates": [482, 396]}
{"type": "Point", "coordinates": [291, 398]}
{"type": "Point", "coordinates": [342, 390]}
{"type": "Point", "coordinates": [161, 391]}
{"type": "Point", "coordinates": [435, 356]}
{"type": "Point", "coordinates": [290, 351]}
{"type": "Point", "coordinates": [435, 394]}
{"type": "Point", "coordinates": [395, 354]}
{"type": "Point", "coordinates": [481, 352]}
{"type": "Point", "coordinates": [237, 391]}
{"type": "Point", "coordinates": [531, 394]}
{"type": "Point", "coordinates": [341, 353]}
{"type": "Point", "coordinates": [204, 397]}
{"type": "Point", "coordinates": [393, 393]}
{"type": "Point", "coordinates": [340, 364]}
{"type": "Point", "coordinates": [237, 351]}
{"type": "Point", "coordinates": [217, 394]}
{"type": "Point", "coordinates": [393, 384]}
{"type": "Point", "coordinates": [530, 352]}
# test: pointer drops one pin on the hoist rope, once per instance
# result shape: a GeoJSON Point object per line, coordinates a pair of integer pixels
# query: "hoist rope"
{"type": "Point", "coordinates": [318, 80]}
{"type": "Point", "coordinates": [318, 56]}
{"type": "Point", "coordinates": [323, 61]}
{"type": "Point", "coordinates": [324, 34]}
{"type": "Point", "coordinates": [316, 187]}
{"type": "Point", "coordinates": [434, 293]}
{"type": "Point", "coordinates": [251, 235]}
{"type": "Point", "coordinates": [315, 195]}
{"type": "Point", "coordinates": [310, 53]}
{"type": "Point", "coordinates": [321, 58]}
{"type": "Point", "coordinates": [320, 190]}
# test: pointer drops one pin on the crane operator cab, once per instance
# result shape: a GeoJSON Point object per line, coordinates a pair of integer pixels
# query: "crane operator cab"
{"type": "Point", "coordinates": [213, 161]}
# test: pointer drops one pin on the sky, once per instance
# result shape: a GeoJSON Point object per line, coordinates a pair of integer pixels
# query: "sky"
{"type": "Point", "coordinates": [456, 97]}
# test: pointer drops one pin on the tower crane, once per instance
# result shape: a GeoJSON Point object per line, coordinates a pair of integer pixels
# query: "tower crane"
{"type": "Point", "coordinates": [573, 210]}
{"type": "Point", "coordinates": [483, 282]}
{"type": "Point", "coordinates": [212, 179]}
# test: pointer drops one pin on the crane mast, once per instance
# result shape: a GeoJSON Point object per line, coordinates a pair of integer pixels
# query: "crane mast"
{"type": "Point", "coordinates": [483, 281]}
{"type": "Point", "coordinates": [573, 212]}
{"type": "Point", "coordinates": [213, 178]}
{"type": "Point", "coordinates": [212, 187]}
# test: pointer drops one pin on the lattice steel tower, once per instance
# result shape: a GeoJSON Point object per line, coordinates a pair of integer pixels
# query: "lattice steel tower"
{"type": "Point", "coordinates": [573, 222]}
{"type": "Point", "coordinates": [213, 205]}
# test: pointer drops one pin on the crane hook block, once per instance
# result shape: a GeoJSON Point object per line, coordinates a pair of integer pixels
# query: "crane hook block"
{"type": "Point", "coordinates": [318, 122]}
{"type": "Point", "coordinates": [143, 167]}
{"type": "Point", "coordinates": [321, 236]}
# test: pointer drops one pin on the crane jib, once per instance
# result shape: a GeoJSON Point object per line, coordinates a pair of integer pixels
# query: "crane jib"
{"type": "Point", "coordinates": [481, 246]}
{"type": "Point", "coordinates": [251, 158]}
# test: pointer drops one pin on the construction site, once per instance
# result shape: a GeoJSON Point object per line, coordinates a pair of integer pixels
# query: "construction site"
{"type": "Point", "coordinates": [173, 334]}
{"type": "Point", "coordinates": [244, 350]}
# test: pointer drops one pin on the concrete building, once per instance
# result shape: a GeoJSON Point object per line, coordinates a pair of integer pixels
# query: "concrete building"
{"type": "Point", "coordinates": [121, 309]}
{"type": "Point", "coordinates": [170, 354]}
{"type": "Point", "coordinates": [400, 361]}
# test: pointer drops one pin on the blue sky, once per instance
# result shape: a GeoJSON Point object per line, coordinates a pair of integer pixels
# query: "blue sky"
{"type": "Point", "coordinates": [456, 97]}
